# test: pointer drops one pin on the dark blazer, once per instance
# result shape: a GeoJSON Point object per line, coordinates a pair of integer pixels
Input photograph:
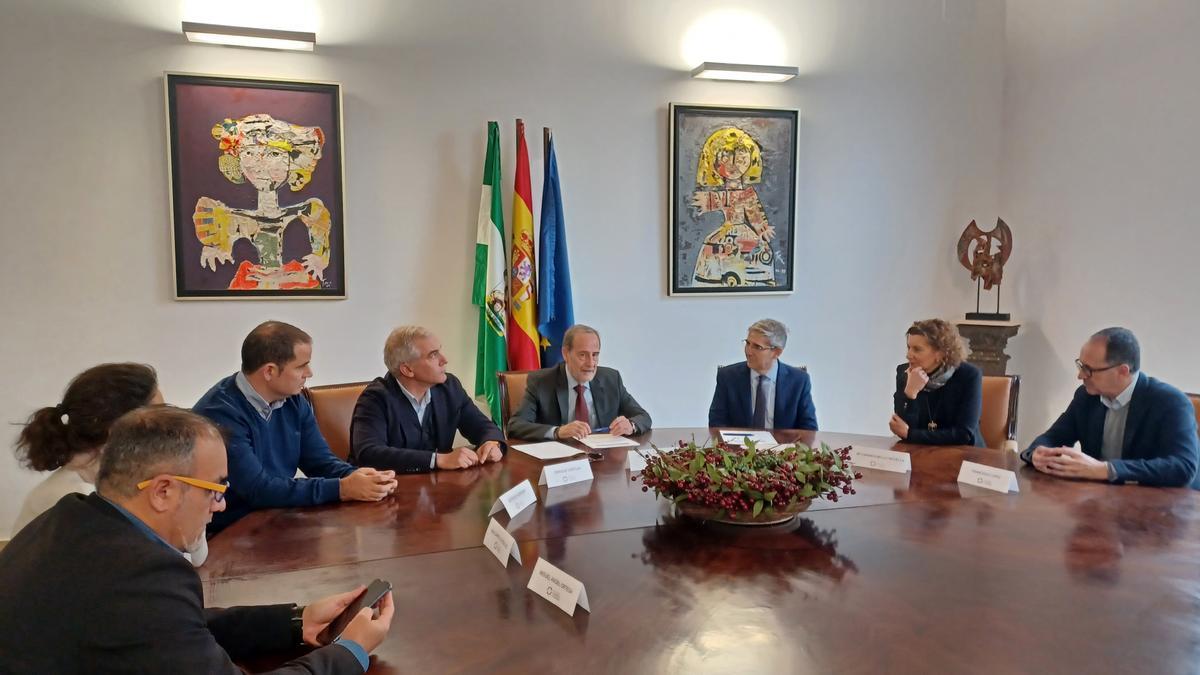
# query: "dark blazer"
{"type": "Point", "coordinates": [955, 408]}
{"type": "Point", "coordinates": [385, 433]}
{"type": "Point", "coordinates": [85, 591]}
{"type": "Point", "coordinates": [1160, 446]}
{"type": "Point", "coordinates": [793, 398]}
{"type": "Point", "coordinates": [545, 404]}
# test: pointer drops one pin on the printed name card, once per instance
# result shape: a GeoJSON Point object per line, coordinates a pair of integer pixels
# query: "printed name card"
{"type": "Point", "coordinates": [515, 500]}
{"type": "Point", "coordinates": [554, 475]}
{"type": "Point", "coordinates": [501, 543]}
{"type": "Point", "coordinates": [560, 588]}
{"type": "Point", "coordinates": [635, 461]}
{"type": "Point", "coordinates": [988, 477]}
{"type": "Point", "coordinates": [882, 460]}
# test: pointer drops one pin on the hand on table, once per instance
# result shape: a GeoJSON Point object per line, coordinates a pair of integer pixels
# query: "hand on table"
{"type": "Point", "coordinates": [367, 485]}
{"type": "Point", "coordinates": [575, 430]}
{"type": "Point", "coordinates": [898, 426]}
{"type": "Point", "coordinates": [620, 426]}
{"type": "Point", "coordinates": [1065, 462]}
{"type": "Point", "coordinates": [458, 458]}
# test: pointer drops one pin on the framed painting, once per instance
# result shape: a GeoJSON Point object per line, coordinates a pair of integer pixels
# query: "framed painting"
{"type": "Point", "coordinates": [256, 170]}
{"type": "Point", "coordinates": [732, 210]}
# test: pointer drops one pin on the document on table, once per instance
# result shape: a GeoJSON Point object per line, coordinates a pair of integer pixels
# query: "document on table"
{"type": "Point", "coordinates": [607, 441]}
{"type": "Point", "coordinates": [548, 450]}
{"type": "Point", "coordinates": [763, 439]}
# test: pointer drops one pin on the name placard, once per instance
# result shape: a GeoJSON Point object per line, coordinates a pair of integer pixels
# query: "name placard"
{"type": "Point", "coordinates": [563, 590]}
{"type": "Point", "coordinates": [882, 460]}
{"type": "Point", "coordinates": [566, 473]}
{"type": "Point", "coordinates": [989, 477]}
{"type": "Point", "coordinates": [501, 543]}
{"type": "Point", "coordinates": [635, 461]}
{"type": "Point", "coordinates": [515, 500]}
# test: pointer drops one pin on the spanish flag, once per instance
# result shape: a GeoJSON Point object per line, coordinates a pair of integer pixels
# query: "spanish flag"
{"type": "Point", "coordinates": [522, 331]}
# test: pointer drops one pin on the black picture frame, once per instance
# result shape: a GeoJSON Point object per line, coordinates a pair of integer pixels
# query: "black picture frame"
{"type": "Point", "coordinates": [732, 199]}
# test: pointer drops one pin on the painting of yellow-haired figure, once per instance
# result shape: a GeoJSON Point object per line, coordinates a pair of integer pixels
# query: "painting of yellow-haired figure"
{"type": "Point", "coordinates": [256, 169]}
{"type": "Point", "coordinates": [733, 199]}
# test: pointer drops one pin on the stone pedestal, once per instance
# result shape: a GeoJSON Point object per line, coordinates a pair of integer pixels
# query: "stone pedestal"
{"type": "Point", "coordinates": [988, 340]}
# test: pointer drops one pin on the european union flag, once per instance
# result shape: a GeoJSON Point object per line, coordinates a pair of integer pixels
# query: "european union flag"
{"type": "Point", "coordinates": [555, 311]}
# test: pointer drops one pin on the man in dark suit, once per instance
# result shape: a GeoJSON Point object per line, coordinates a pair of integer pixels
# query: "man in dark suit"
{"type": "Point", "coordinates": [99, 584]}
{"type": "Point", "coordinates": [763, 392]}
{"type": "Point", "coordinates": [1132, 427]}
{"type": "Point", "coordinates": [406, 420]}
{"type": "Point", "coordinates": [577, 397]}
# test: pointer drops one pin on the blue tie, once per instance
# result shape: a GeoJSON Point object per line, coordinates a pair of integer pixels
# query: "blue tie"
{"type": "Point", "coordinates": [760, 404]}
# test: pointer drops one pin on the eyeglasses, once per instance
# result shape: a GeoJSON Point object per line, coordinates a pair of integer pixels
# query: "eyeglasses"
{"type": "Point", "coordinates": [217, 489]}
{"type": "Point", "coordinates": [757, 347]}
{"type": "Point", "coordinates": [1088, 371]}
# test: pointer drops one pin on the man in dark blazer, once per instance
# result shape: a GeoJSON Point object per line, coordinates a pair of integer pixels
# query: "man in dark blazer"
{"type": "Point", "coordinates": [763, 392]}
{"type": "Point", "coordinates": [577, 397]}
{"type": "Point", "coordinates": [406, 420]}
{"type": "Point", "coordinates": [1132, 427]}
{"type": "Point", "coordinates": [98, 583]}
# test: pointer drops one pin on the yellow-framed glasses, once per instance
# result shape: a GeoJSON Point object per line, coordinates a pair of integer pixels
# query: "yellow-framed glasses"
{"type": "Point", "coordinates": [217, 489]}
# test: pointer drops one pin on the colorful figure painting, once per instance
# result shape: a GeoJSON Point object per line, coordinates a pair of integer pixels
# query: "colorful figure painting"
{"type": "Point", "coordinates": [256, 173]}
{"type": "Point", "coordinates": [733, 181]}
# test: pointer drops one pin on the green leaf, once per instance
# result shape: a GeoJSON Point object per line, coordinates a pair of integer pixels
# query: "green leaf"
{"type": "Point", "coordinates": [755, 494]}
{"type": "Point", "coordinates": [808, 492]}
{"type": "Point", "coordinates": [674, 473]}
{"type": "Point", "coordinates": [713, 474]}
{"type": "Point", "coordinates": [770, 496]}
{"type": "Point", "coordinates": [697, 464]}
{"type": "Point", "coordinates": [758, 507]}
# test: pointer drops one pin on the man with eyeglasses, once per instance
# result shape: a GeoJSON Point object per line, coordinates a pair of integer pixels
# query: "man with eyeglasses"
{"type": "Point", "coordinates": [271, 432]}
{"type": "Point", "coordinates": [99, 584]}
{"type": "Point", "coordinates": [763, 392]}
{"type": "Point", "coordinates": [406, 420]}
{"type": "Point", "coordinates": [577, 397]}
{"type": "Point", "coordinates": [1132, 427]}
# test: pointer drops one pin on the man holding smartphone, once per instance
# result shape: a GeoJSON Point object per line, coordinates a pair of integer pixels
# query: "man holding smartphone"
{"type": "Point", "coordinates": [99, 583]}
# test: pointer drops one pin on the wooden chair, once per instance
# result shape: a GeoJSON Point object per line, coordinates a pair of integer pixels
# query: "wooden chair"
{"type": "Point", "coordinates": [333, 406]}
{"type": "Point", "coordinates": [1195, 399]}
{"type": "Point", "coordinates": [998, 416]}
{"type": "Point", "coordinates": [512, 390]}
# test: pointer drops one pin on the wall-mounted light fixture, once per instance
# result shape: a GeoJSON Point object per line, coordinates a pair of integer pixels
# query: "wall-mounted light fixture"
{"type": "Point", "coordinates": [744, 72]}
{"type": "Point", "coordinates": [241, 36]}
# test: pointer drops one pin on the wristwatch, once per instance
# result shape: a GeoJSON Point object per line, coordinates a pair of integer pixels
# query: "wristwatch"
{"type": "Point", "coordinates": [297, 622]}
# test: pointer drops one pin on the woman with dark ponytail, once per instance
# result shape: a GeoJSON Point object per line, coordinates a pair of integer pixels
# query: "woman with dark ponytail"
{"type": "Point", "coordinates": [69, 437]}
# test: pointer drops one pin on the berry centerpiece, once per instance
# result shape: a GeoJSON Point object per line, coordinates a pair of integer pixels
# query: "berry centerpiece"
{"type": "Point", "coordinates": [744, 485]}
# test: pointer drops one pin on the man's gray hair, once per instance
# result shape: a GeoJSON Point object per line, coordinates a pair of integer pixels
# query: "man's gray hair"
{"type": "Point", "coordinates": [775, 332]}
{"type": "Point", "coordinates": [577, 329]}
{"type": "Point", "coordinates": [149, 441]}
{"type": "Point", "coordinates": [401, 346]}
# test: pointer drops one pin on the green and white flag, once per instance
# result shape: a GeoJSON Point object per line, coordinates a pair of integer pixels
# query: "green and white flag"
{"type": "Point", "coordinates": [488, 292]}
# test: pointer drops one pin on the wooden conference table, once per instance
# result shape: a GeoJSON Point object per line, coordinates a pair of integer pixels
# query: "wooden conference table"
{"type": "Point", "coordinates": [915, 573]}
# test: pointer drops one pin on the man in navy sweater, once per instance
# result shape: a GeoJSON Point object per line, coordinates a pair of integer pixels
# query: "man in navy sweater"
{"type": "Point", "coordinates": [271, 431]}
{"type": "Point", "coordinates": [406, 420]}
{"type": "Point", "coordinates": [1132, 427]}
{"type": "Point", "coordinates": [763, 392]}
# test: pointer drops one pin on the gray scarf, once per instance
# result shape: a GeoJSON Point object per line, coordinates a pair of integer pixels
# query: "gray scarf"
{"type": "Point", "coordinates": [939, 378]}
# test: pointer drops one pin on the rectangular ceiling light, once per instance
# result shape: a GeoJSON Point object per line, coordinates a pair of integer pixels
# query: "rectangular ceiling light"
{"type": "Point", "coordinates": [744, 72]}
{"type": "Point", "coordinates": [241, 36]}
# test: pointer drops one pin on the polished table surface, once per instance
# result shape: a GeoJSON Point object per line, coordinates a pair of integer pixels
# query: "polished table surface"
{"type": "Point", "coordinates": [915, 573]}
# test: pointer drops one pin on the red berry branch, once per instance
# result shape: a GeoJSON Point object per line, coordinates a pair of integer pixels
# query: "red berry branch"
{"type": "Point", "coordinates": [736, 479]}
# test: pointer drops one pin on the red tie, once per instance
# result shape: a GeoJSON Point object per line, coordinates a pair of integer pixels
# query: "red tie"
{"type": "Point", "coordinates": [581, 413]}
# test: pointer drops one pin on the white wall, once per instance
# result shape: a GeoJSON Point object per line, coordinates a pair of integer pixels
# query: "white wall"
{"type": "Point", "coordinates": [899, 147]}
{"type": "Point", "coordinates": [1099, 184]}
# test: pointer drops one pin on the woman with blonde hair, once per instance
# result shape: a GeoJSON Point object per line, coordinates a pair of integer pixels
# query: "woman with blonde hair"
{"type": "Point", "coordinates": [938, 394]}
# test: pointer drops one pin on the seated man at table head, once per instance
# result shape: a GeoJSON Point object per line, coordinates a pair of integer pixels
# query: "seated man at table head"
{"type": "Point", "coordinates": [271, 432]}
{"type": "Point", "coordinates": [938, 394]}
{"type": "Point", "coordinates": [407, 419]}
{"type": "Point", "coordinates": [1132, 427]}
{"type": "Point", "coordinates": [763, 392]}
{"type": "Point", "coordinates": [577, 397]}
{"type": "Point", "coordinates": [98, 583]}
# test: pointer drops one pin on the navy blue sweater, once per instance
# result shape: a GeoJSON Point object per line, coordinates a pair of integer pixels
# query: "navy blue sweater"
{"type": "Point", "coordinates": [954, 408]}
{"type": "Point", "coordinates": [264, 454]}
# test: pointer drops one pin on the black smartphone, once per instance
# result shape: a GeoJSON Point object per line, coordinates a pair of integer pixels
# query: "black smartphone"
{"type": "Point", "coordinates": [370, 597]}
